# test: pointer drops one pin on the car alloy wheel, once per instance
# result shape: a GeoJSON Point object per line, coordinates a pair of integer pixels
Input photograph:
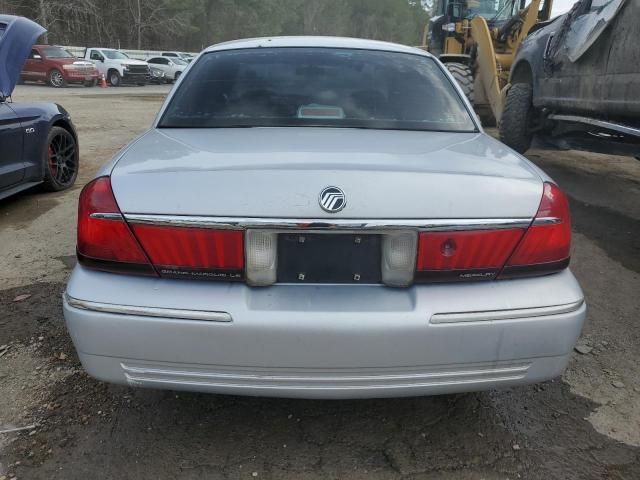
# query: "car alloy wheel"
{"type": "Point", "coordinates": [56, 79]}
{"type": "Point", "coordinates": [62, 158]}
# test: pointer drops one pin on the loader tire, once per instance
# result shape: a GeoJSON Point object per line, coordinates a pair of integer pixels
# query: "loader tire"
{"type": "Point", "coordinates": [487, 118]}
{"type": "Point", "coordinates": [464, 76]}
{"type": "Point", "coordinates": [515, 123]}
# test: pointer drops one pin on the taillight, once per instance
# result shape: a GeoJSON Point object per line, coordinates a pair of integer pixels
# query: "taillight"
{"type": "Point", "coordinates": [487, 254]}
{"type": "Point", "coordinates": [185, 252]}
{"type": "Point", "coordinates": [546, 246]}
{"type": "Point", "coordinates": [104, 239]}
{"type": "Point", "coordinates": [107, 242]}
{"type": "Point", "coordinates": [464, 255]}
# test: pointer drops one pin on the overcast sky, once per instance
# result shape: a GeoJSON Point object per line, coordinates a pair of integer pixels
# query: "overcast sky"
{"type": "Point", "coordinates": [561, 6]}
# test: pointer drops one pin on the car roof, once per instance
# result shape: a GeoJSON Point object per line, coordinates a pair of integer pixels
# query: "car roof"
{"type": "Point", "coordinates": [311, 41]}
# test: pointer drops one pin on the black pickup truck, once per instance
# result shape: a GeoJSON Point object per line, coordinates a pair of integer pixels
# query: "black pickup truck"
{"type": "Point", "coordinates": [575, 81]}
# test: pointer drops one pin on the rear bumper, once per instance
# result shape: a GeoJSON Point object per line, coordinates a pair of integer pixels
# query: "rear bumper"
{"type": "Point", "coordinates": [323, 341]}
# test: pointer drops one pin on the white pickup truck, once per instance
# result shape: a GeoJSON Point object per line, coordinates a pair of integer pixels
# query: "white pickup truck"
{"type": "Point", "coordinates": [117, 67]}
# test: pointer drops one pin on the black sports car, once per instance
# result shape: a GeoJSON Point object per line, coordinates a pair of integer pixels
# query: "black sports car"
{"type": "Point", "coordinates": [38, 142]}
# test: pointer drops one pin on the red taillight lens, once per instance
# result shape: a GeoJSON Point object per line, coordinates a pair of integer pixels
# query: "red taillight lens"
{"type": "Point", "coordinates": [107, 242]}
{"type": "Point", "coordinates": [475, 255]}
{"type": "Point", "coordinates": [104, 239]}
{"type": "Point", "coordinates": [546, 246]}
{"type": "Point", "coordinates": [464, 255]}
{"type": "Point", "coordinates": [193, 252]}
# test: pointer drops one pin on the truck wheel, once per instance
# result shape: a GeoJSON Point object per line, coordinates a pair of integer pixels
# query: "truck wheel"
{"type": "Point", "coordinates": [56, 79]}
{"type": "Point", "coordinates": [114, 78]}
{"type": "Point", "coordinates": [464, 76]}
{"type": "Point", "coordinates": [61, 160]}
{"type": "Point", "coordinates": [177, 76]}
{"type": "Point", "coordinates": [516, 118]}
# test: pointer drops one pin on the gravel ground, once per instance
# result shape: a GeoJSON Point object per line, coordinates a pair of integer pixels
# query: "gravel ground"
{"type": "Point", "coordinates": [583, 426]}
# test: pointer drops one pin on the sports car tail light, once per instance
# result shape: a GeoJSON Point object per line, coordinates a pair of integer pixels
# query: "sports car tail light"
{"type": "Point", "coordinates": [262, 253]}
{"type": "Point", "coordinates": [546, 246]}
{"type": "Point", "coordinates": [105, 241]}
{"type": "Point", "coordinates": [398, 258]}
{"type": "Point", "coordinates": [464, 255]}
{"type": "Point", "coordinates": [186, 252]}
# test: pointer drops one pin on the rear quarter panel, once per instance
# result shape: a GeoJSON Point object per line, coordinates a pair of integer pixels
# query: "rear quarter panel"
{"type": "Point", "coordinates": [40, 117]}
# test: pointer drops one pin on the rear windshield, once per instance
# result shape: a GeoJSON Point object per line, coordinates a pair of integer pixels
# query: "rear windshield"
{"type": "Point", "coordinates": [329, 87]}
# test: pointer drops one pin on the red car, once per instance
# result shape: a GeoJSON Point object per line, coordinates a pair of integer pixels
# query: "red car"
{"type": "Point", "coordinates": [58, 67]}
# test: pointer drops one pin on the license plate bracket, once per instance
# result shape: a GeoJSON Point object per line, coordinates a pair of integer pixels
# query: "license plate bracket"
{"type": "Point", "coordinates": [329, 258]}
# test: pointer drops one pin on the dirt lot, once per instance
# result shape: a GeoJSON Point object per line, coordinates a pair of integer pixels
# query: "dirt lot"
{"type": "Point", "coordinates": [584, 426]}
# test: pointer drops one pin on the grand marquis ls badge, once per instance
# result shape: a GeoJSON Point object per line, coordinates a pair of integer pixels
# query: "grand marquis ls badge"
{"type": "Point", "coordinates": [332, 199]}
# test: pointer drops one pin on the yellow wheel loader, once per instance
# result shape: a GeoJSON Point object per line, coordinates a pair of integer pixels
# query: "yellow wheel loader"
{"type": "Point", "coordinates": [477, 41]}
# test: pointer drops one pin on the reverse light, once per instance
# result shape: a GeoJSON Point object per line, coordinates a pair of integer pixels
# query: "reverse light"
{"type": "Point", "coordinates": [398, 258]}
{"type": "Point", "coordinates": [105, 241]}
{"type": "Point", "coordinates": [262, 252]}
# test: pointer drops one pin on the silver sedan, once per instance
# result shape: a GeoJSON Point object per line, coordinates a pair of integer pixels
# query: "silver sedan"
{"type": "Point", "coordinates": [321, 218]}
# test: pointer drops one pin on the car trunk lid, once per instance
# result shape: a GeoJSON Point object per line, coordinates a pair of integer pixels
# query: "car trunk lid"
{"type": "Point", "coordinates": [280, 172]}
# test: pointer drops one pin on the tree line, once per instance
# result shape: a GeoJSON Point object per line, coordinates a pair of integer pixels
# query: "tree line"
{"type": "Point", "coordinates": [190, 25]}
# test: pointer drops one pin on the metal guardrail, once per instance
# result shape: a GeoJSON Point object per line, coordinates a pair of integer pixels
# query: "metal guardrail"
{"type": "Point", "coordinates": [136, 54]}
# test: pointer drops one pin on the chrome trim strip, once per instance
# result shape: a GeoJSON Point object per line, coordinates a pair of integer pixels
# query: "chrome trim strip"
{"type": "Point", "coordinates": [329, 224]}
{"type": "Point", "coordinates": [156, 312]}
{"type": "Point", "coordinates": [460, 317]}
{"type": "Point", "coordinates": [144, 370]}
{"type": "Point", "coordinates": [617, 127]}
{"type": "Point", "coordinates": [181, 384]}
{"type": "Point", "coordinates": [547, 221]}
{"type": "Point", "coordinates": [106, 216]}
